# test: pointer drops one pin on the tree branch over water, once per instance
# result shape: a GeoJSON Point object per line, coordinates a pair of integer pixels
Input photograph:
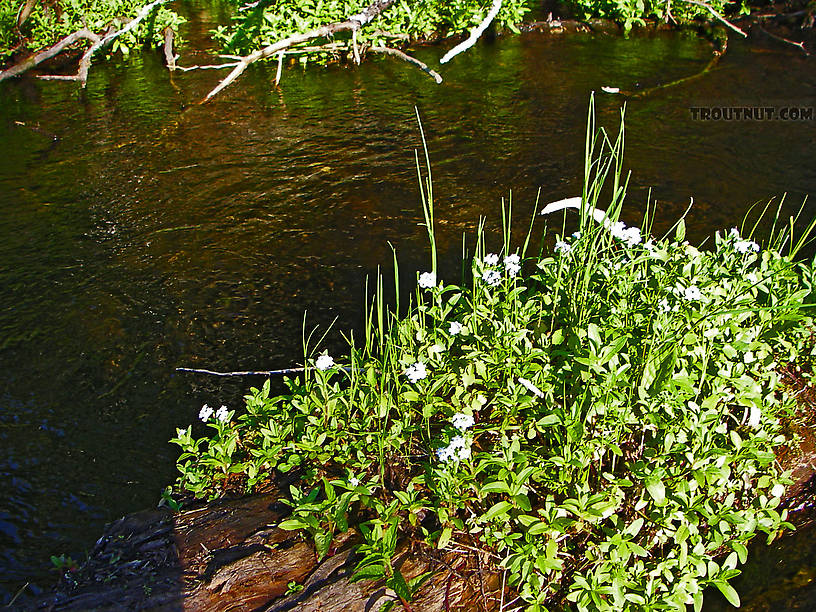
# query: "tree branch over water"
{"type": "Point", "coordinates": [352, 24]}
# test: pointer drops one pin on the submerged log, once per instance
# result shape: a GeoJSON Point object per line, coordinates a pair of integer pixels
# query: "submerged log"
{"type": "Point", "coordinates": [230, 555]}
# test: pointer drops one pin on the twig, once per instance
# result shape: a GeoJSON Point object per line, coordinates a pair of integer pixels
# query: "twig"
{"type": "Point", "coordinates": [39, 58]}
{"type": "Point", "coordinates": [280, 68]}
{"type": "Point", "coordinates": [283, 372]}
{"type": "Point", "coordinates": [474, 34]}
{"type": "Point", "coordinates": [411, 60]}
{"type": "Point", "coordinates": [207, 67]}
{"type": "Point", "coordinates": [798, 45]}
{"type": "Point", "coordinates": [719, 17]}
{"type": "Point", "coordinates": [353, 23]}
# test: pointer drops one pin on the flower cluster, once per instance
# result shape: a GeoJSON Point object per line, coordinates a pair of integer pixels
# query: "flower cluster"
{"type": "Point", "coordinates": [741, 245]}
{"type": "Point", "coordinates": [491, 277]}
{"type": "Point", "coordinates": [562, 247]}
{"type": "Point", "coordinates": [416, 372]}
{"type": "Point", "coordinates": [222, 414]}
{"type": "Point", "coordinates": [427, 280]}
{"type": "Point", "coordinates": [462, 421]}
{"type": "Point", "coordinates": [512, 263]}
{"type": "Point", "coordinates": [324, 362]}
{"type": "Point", "coordinates": [457, 450]}
{"type": "Point", "coordinates": [455, 328]}
{"type": "Point", "coordinates": [631, 235]}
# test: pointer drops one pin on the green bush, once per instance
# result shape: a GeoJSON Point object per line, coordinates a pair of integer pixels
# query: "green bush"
{"type": "Point", "coordinates": [601, 419]}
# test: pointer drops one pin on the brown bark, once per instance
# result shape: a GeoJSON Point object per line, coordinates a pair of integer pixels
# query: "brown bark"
{"type": "Point", "coordinates": [230, 555]}
{"type": "Point", "coordinates": [46, 54]}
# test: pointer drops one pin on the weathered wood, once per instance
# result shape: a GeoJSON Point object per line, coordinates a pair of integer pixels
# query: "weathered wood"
{"type": "Point", "coordinates": [230, 555]}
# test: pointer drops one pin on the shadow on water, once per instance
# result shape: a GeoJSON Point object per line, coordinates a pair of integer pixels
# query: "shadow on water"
{"type": "Point", "coordinates": [142, 233]}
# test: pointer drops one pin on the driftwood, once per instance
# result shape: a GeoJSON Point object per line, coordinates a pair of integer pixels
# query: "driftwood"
{"type": "Point", "coordinates": [230, 555]}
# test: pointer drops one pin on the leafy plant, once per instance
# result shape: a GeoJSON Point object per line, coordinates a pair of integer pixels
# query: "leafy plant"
{"type": "Point", "coordinates": [601, 418]}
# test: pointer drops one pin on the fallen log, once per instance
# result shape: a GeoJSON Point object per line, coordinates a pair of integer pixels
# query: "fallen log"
{"type": "Point", "coordinates": [230, 555]}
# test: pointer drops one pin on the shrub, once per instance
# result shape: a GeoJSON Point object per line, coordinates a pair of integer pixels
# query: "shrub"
{"type": "Point", "coordinates": [601, 419]}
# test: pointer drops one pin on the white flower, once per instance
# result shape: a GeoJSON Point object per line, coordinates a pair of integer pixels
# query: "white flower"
{"type": "Point", "coordinates": [491, 259]}
{"type": "Point", "coordinates": [576, 235]}
{"type": "Point", "coordinates": [778, 490]}
{"type": "Point", "coordinates": [632, 236]}
{"type": "Point", "coordinates": [692, 293]}
{"type": "Point", "coordinates": [618, 230]}
{"type": "Point", "coordinates": [427, 280]}
{"type": "Point", "coordinates": [205, 413]}
{"type": "Point", "coordinates": [462, 421]}
{"type": "Point", "coordinates": [512, 260]}
{"type": "Point", "coordinates": [512, 270]}
{"type": "Point", "coordinates": [457, 450]}
{"type": "Point", "coordinates": [734, 234]}
{"type": "Point", "coordinates": [531, 387]}
{"type": "Point", "coordinates": [324, 362]}
{"type": "Point", "coordinates": [649, 246]}
{"type": "Point", "coordinates": [416, 372]}
{"type": "Point", "coordinates": [491, 277]}
{"type": "Point", "coordinates": [664, 305]}
{"type": "Point", "coordinates": [455, 328]}
{"type": "Point", "coordinates": [222, 414]}
{"type": "Point", "coordinates": [562, 247]}
{"type": "Point", "coordinates": [354, 481]}
{"type": "Point", "coordinates": [752, 278]}
{"type": "Point", "coordinates": [743, 246]}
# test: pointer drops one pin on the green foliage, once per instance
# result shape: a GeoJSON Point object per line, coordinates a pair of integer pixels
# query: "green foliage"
{"type": "Point", "coordinates": [635, 12]}
{"type": "Point", "coordinates": [605, 424]}
{"type": "Point", "coordinates": [268, 22]}
{"type": "Point", "coordinates": [52, 21]}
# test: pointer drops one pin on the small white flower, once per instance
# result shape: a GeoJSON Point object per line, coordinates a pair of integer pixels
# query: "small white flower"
{"type": "Point", "coordinates": [324, 362]}
{"type": "Point", "coordinates": [354, 481]}
{"type": "Point", "coordinates": [205, 413]}
{"type": "Point", "coordinates": [513, 270]}
{"type": "Point", "coordinates": [778, 490]}
{"type": "Point", "coordinates": [632, 236]}
{"type": "Point", "coordinates": [491, 277]}
{"type": "Point", "coordinates": [491, 259]}
{"type": "Point", "coordinates": [743, 246]}
{"type": "Point", "coordinates": [649, 246]}
{"type": "Point", "coordinates": [752, 278]}
{"type": "Point", "coordinates": [427, 280]}
{"type": "Point", "coordinates": [512, 260]}
{"type": "Point", "coordinates": [692, 293]}
{"type": "Point", "coordinates": [222, 414]}
{"type": "Point", "coordinates": [457, 450]}
{"type": "Point", "coordinates": [416, 372]}
{"type": "Point", "coordinates": [464, 453]}
{"type": "Point", "coordinates": [455, 328]}
{"type": "Point", "coordinates": [562, 247]}
{"type": "Point", "coordinates": [618, 230]}
{"type": "Point", "coordinates": [734, 233]}
{"type": "Point", "coordinates": [576, 235]}
{"type": "Point", "coordinates": [462, 421]}
{"type": "Point", "coordinates": [531, 387]}
{"type": "Point", "coordinates": [664, 305]}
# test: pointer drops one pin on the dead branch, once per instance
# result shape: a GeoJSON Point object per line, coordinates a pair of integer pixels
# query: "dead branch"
{"type": "Point", "coordinates": [716, 15]}
{"type": "Point", "coordinates": [352, 24]}
{"type": "Point", "coordinates": [46, 54]}
{"type": "Point", "coordinates": [85, 62]}
{"type": "Point", "coordinates": [798, 45]}
{"type": "Point", "coordinates": [474, 34]}
{"type": "Point", "coordinates": [411, 60]}
{"type": "Point", "coordinates": [24, 12]}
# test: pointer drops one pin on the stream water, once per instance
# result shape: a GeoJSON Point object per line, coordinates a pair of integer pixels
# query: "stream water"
{"type": "Point", "coordinates": [140, 232]}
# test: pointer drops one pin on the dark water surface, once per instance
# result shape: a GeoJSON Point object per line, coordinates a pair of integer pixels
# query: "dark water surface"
{"type": "Point", "coordinates": [140, 232]}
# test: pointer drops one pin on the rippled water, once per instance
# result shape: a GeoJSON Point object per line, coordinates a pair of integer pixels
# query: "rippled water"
{"type": "Point", "coordinates": [141, 232]}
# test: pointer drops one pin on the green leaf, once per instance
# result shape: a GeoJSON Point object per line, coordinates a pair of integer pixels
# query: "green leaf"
{"type": "Point", "coordinates": [322, 540]}
{"type": "Point", "coordinates": [497, 486]}
{"type": "Point", "coordinates": [728, 592]}
{"type": "Point", "coordinates": [496, 509]}
{"type": "Point", "coordinates": [397, 582]}
{"type": "Point", "coordinates": [656, 489]}
{"type": "Point", "coordinates": [445, 537]}
{"type": "Point", "coordinates": [293, 524]}
{"type": "Point", "coordinates": [680, 233]}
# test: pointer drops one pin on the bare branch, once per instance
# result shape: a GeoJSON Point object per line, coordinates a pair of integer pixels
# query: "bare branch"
{"type": "Point", "coordinates": [798, 45]}
{"type": "Point", "coordinates": [474, 34]}
{"type": "Point", "coordinates": [353, 23]}
{"type": "Point", "coordinates": [207, 67]}
{"type": "Point", "coordinates": [45, 54]}
{"type": "Point", "coordinates": [411, 60]}
{"type": "Point", "coordinates": [717, 16]}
